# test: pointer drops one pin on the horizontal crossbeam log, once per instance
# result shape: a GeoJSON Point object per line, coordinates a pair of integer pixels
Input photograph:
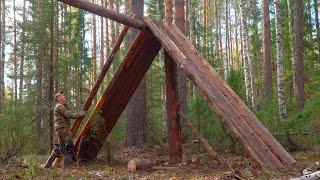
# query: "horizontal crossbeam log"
{"type": "Point", "coordinates": [107, 13]}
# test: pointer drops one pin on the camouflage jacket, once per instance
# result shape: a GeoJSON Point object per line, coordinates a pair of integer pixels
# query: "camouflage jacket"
{"type": "Point", "coordinates": [62, 116]}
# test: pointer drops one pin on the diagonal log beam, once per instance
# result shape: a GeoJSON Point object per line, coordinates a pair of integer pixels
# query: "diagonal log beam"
{"type": "Point", "coordinates": [107, 13]}
{"type": "Point", "coordinates": [245, 127]}
{"type": "Point", "coordinates": [114, 100]}
{"type": "Point", "coordinates": [95, 89]}
{"type": "Point", "coordinates": [101, 76]}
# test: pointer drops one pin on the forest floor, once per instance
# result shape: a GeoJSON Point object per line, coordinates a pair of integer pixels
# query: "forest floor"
{"type": "Point", "coordinates": [194, 166]}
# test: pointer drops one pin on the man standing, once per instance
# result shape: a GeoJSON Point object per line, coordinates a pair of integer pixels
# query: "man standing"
{"type": "Point", "coordinates": [63, 141]}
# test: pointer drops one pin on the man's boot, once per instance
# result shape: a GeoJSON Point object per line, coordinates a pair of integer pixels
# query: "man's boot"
{"type": "Point", "coordinates": [54, 154]}
{"type": "Point", "coordinates": [68, 155]}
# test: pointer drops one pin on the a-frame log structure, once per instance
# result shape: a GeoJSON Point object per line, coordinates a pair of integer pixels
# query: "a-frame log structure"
{"type": "Point", "coordinates": [244, 126]}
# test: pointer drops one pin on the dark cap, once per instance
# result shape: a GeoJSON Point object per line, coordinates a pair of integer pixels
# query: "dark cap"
{"type": "Point", "coordinates": [57, 95]}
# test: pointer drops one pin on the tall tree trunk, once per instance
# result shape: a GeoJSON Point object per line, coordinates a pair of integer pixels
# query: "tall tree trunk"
{"type": "Point", "coordinates": [230, 45]}
{"type": "Point", "coordinates": [241, 42]}
{"type": "Point", "coordinates": [169, 12]}
{"type": "Point", "coordinates": [255, 66]}
{"type": "Point", "coordinates": [22, 54]}
{"type": "Point", "coordinates": [309, 30]}
{"type": "Point", "coordinates": [50, 72]}
{"type": "Point", "coordinates": [291, 44]}
{"type": "Point", "coordinates": [112, 26]}
{"type": "Point", "coordinates": [246, 57]}
{"type": "Point", "coordinates": [309, 22]}
{"type": "Point", "coordinates": [179, 21]}
{"type": "Point", "coordinates": [299, 67]}
{"type": "Point", "coordinates": [316, 13]}
{"type": "Point", "coordinates": [137, 107]}
{"type": "Point", "coordinates": [187, 17]}
{"type": "Point", "coordinates": [226, 62]}
{"type": "Point", "coordinates": [2, 55]}
{"type": "Point", "coordinates": [280, 61]}
{"type": "Point", "coordinates": [15, 48]}
{"type": "Point", "coordinates": [267, 52]}
{"type": "Point", "coordinates": [39, 108]}
{"type": "Point", "coordinates": [94, 46]}
{"type": "Point", "coordinates": [205, 26]}
{"type": "Point", "coordinates": [102, 39]}
{"type": "Point", "coordinates": [238, 58]}
{"type": "Point", "coordinates": [107, 34]}
{"type": "Point", "coordinates": [117, 30]}
{"type": "Point", "coordinates": [169, 21]}
{"type": "Point", "coordinates": [220, 39]}
{"type": "Point", "coordinates": [216, 31]}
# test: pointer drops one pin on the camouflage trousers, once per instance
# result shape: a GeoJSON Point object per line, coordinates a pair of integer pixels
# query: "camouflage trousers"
{"type": "Point", "coordinates": [63, 136]}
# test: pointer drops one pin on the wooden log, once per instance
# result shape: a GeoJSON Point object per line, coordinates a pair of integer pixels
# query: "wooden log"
{"type": "Point", "coordinates": [83, 138]}
{"type": "Point", "coordinates": [242, 109]}
{"type": "Point", "coordinates": [165, 167]}
{"type": "Point", "coordinates": [57, 163]}
{"type": "Point", "coordinates": [314, 175]}
{"type": "Point", "coordinates": [221, 99]}
{"type": "Point", "coordinates": [139, 164]}
{"type": "Point", "coordinates": [174, 126]}
{"type": "Point", "coordinates": [175, 52]}
{"type": "Point", "coordinates": [94, 90]}
{"type": "Point", "coordinates": [104, 12]}
{"type": "Point", "coordinates": [212, 152]}
{"type": "Point", "coordinates": [229, 111]}
{"type": "Point", "coordinates": [100, 78]}
{"type": "Point", "coordinates": [114, 100]}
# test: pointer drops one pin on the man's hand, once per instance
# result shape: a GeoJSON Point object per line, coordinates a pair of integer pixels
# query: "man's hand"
{"type": "Point", "coordinates": [83, 113]}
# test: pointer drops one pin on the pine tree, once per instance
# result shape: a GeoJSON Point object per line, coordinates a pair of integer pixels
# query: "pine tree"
{"type": "Point", "coordinates": [22, 54]}
{"type": "Point", "coordinates": [179, 21]}
{"type": "Point", "coordinates": [136, 111]}
{"type": "Point", "coordinates": [267, 52]}
{"type": "Point", "coordinates": [226, 63]}
{"type": "Point", "coordinates": [15, 52]}
{"type": "Point", "coordinates": [299, 67]}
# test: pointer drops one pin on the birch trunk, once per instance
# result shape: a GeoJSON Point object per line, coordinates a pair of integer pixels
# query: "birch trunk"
{"type": "Point", "coordinates": [279, 46]}
{"type": "Point", "coordinates": [316, 13]}
{"type": "Point", "coordinates": [246, 58]}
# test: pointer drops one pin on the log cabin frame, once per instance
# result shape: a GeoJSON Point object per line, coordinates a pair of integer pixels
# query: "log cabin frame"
{"type": "Point", "coordinates": [244, 126]}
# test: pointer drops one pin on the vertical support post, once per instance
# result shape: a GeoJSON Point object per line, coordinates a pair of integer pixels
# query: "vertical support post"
{"type": "Point", "coordinates": [174, 126]}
